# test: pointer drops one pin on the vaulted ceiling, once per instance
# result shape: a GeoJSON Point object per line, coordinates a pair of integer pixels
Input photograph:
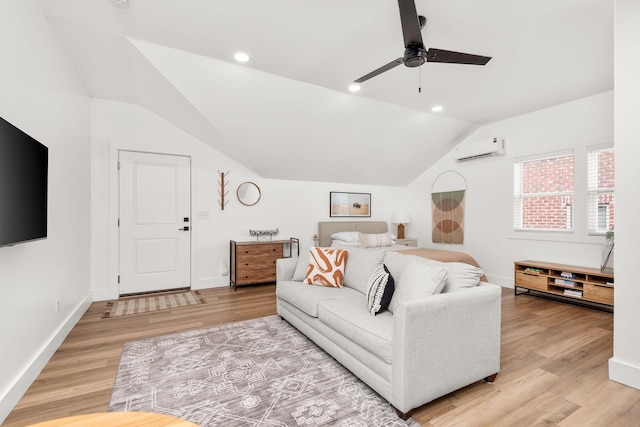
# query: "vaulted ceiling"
{"type": "Point", "coordinates": [289, 106]}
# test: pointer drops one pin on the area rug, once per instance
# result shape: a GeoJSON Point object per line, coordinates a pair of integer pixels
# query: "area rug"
{"type": "Point", "coordinates": [151, 302]}
{"type": "Point", "coordinates": [261, 372]}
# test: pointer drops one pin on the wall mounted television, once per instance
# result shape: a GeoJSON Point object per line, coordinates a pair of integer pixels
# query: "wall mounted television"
{"type": "Point", "coordinates": [24, 164]}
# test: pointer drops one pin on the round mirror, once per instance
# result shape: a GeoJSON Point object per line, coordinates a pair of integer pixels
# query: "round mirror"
{"type": "Point", "coordinates": [248, 193]}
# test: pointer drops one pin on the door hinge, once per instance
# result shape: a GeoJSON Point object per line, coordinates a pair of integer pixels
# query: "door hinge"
{"type": "Point", "coordinates": [118, 278]}
{"type": "Point", "coordinates": [118, 222]}
{"type": "Point", "coordinates": [118, 165]}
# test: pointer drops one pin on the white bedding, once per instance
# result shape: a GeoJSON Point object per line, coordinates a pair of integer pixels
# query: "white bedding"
{"type": "Point", "coordinates": [394, 247]}
{"type": "Point", "coordinates": [371, 241]}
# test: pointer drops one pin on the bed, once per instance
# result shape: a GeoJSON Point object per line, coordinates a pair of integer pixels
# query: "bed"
{"type": "Point", "coordinates": [326, 229]}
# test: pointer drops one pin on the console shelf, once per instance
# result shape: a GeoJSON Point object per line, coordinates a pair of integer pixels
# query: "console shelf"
{"type": "Point", "coordinates": [563, 280]}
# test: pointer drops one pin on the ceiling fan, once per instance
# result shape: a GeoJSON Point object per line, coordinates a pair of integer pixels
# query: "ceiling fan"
{"type": "Point", "coordinates": [415, 53]}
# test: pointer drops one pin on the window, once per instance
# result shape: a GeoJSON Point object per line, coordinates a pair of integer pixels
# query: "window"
{"type": "Point", "coordinates": [543, 192]}
{"type": "Point", "coordinates": [601, 187]}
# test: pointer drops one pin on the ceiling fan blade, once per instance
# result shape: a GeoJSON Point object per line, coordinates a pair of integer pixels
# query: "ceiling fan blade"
{"type": "Point", "coordinates": [448, 56]}
{"type": "Point", "coordinates": [380, 70]}
{"type": "Point", "coordinates": [410, 23]}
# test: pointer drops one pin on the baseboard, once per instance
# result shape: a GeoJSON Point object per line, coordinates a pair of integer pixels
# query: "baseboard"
{"type": "Point", "coordinates": [624, 373]}
{"type": "Point", "coordinates": [106, 294]}
{"type": "Point", "coordinates": [215, 282]}
{"type": "Point", "coordinates": [18, 389]}
{"type": "Point", "coordinates": [505, 282]}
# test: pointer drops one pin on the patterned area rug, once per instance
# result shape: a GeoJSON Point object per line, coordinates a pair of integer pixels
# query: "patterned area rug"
{"type": "Point", "coordinates": [260, 372]}
{"type": "Point", "coordinates": [148, 303]}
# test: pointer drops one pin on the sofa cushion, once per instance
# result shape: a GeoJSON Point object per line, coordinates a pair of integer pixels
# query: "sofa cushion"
{"type": "Point", "coordinates": [381, 286]}
{"type": "Point", "coordinates": [360, 266]}
{"type": "Point", "coordinates": [306, 297]}
{"type": "Point", "coordinates": [417, 282]}
{"type": "Point", "coordinates": [461, 275]}
{"type": "Point", "coordinates": [396, 262]}
{"type": "Point", "coordinates": [350, 318]}
{"type": "Point", "coordinates": [326, 267]}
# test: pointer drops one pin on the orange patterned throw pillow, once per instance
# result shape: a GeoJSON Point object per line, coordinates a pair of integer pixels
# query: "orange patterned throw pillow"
{"type": "Point", "coordinates": [326, 267]}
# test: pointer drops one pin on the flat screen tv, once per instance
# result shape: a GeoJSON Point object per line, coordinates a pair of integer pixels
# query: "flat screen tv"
{"type": "Point", "coordinates": [24, 164]}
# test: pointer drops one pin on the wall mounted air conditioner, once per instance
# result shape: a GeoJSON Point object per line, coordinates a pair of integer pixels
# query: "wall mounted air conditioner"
{"type": "Point", "coordinates": [480, 149]}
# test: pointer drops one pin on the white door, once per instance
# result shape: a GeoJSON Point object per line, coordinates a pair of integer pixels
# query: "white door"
{"type": "Point", "coordinates": [155, 236]}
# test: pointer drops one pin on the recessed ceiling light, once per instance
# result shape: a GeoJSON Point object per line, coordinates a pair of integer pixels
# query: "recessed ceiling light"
{"type": "Point", "coordinates": [354, 87]}
{"type": "Point", "coordinates": [120, 3]}
{"type": "Point", "coordinates": [241, 57]}
{"type": "Point", "coordinates": [437, 108]}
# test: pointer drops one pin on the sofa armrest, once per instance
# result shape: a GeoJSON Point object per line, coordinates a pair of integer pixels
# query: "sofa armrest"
{"type": "Point", "coordinates": [285, 267]}
{"type": "Point", "coordinates": [444, 343]}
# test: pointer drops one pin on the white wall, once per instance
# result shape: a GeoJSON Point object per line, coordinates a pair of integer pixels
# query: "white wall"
{"type": "Point", "coordinates": [294, 207]}
{"type": "Point", "coordinates": [488, 216]}
{"type": "Point", "coordinates": [41, 94]}
{"type": "Point", "coordinates": [624, 367]}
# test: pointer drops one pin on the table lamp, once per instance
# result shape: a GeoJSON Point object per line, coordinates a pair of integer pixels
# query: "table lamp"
{"type": "Point", "coordinates": [401, 218]}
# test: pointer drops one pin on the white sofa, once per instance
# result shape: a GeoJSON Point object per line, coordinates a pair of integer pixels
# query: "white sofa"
{"type": "Point", "coordinates": [423, 350]}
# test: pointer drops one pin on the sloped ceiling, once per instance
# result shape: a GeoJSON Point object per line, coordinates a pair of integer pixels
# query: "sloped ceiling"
{"type": "Point", "coordinates": [287, 114]}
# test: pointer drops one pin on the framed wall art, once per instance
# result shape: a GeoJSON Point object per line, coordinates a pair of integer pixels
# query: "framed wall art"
{"type": "Point", "coordinates": [349, 204]}
{"type": "Point", "coordinates": [447, 208]}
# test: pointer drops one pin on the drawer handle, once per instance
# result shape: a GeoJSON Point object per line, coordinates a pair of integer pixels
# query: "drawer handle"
{"type": "Point", "coordinates": [530, 274]}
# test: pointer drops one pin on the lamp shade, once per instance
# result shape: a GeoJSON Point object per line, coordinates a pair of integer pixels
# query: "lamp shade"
{"type": "Point", "coordinates": [400, 217]}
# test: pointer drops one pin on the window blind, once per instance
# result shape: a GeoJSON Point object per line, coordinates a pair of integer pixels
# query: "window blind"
{"type": "Point", "coordinates": [601, 187]}
{"type": "Point", "coordinates": [543, 192]}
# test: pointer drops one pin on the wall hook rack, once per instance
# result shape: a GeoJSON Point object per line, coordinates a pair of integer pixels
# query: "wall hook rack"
{"type": "Point", "coordinates": [222, 191]}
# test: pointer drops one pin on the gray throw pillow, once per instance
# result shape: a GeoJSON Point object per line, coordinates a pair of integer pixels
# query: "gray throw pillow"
{"type": "Point", "coordinates": [397, 262]}
{"type": "Point", "coordinates": [417, 282]}
{"type": "Point", "coordinates": [360, 266]}
{"type": "Point", "coordinates": [461, 275]}
{"type": "Point", "coordinates": [302, 266]}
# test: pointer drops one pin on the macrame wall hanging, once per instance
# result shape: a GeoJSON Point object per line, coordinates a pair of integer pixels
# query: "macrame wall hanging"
{"type": "Point", "coordinates": [447, 207]}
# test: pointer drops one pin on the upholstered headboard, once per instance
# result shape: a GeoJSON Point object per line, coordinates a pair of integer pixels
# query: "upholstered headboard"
{"type": "Point", "coordinates": [326, 229]}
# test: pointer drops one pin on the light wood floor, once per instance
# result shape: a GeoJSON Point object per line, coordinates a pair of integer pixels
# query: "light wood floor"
{"type": "Point", "coordinates": [554, 364]}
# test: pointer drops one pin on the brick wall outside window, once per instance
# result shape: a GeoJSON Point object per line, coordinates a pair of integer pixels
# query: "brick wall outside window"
{"type": "Point", "coordinates": [547, 193]}
{"type": "Point", "coordinates": [606, 186]}
{"type": "Point", "coordinates": [545, 186]}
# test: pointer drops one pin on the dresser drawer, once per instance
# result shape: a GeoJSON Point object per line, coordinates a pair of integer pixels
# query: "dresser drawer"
{"type": "Point", "coordinates": [249, 277]}
{"type": "Point", "coordinates": [255, 265]}
{"type": "Point", "coordinates": [531, 281]}
{"type": "Point", "coordinates": [253, 251]}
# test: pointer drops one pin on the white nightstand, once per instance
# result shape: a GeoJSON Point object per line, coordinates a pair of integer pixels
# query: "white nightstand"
{"type": "Point", "coordinates": [407, 242]}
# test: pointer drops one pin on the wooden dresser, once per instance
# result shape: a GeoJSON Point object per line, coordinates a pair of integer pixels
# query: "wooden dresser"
{"type": "Point", "coordinates": [255, 262]}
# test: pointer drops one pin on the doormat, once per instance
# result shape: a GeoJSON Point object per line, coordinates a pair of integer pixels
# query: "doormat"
{"type": "Point", "coordinates": [148, 303]}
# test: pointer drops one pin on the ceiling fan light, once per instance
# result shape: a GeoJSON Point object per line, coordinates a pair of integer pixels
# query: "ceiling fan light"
{"type": "Point", "coordinates": [354, 87]}
{"type": "Point", "coordinates": [241, 57]}
{"type": "Point", "coordinates": [436, 108]}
